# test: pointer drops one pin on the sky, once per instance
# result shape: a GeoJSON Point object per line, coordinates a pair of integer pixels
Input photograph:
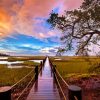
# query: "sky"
{"type": "Point", "coordinates": [23, 26]}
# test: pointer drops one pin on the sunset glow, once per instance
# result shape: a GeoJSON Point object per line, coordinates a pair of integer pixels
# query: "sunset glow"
{"type": "Point", "coordinates": [27, 19]}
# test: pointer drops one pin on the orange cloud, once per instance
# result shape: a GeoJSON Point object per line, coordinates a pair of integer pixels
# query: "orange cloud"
{"type": "Point", "coordinates": [39, 7]}
{"type": "Point", "coordinates": [5, 23]}
{"type": "Point", "coordinates": [18, 16]}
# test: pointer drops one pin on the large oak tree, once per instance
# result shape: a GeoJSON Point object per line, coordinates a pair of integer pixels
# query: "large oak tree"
{"type": "Point", "coordinates": [81, 26]}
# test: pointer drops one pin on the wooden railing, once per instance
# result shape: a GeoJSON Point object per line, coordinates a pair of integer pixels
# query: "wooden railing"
{"type": "Point", "coordinates": [22, 85]}
{"type": "Point", "coordinates": [74, 92]}
{"type": "Point", "coordinates": [20, 89]}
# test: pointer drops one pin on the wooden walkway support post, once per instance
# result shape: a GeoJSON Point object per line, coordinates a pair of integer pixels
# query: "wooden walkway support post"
{"type": "Point", "coordinates": [74, 92]}
{"type": "Point", "coordinates": [36, 72]}
{"type": "Point", "coordinates": [5, 93]}
{"type": "Point", "coordinates": [54, 68]}
{"type": "Point", "coordinates": [41, 65]}
{"type": "Point", "coordinates": [43, 61]}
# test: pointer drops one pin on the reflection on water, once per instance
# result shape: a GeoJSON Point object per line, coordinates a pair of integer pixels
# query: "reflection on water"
{"type": "Point", "coordinates": [58, 59]}
{"type": "Point", "coordinates": [9, 64]}
{"type": "Point", "coordinates": [3, 58]}
{"type": "Point", "coordinates": [36, 86]}
{"type": "Point", "coordinates": [37, 61]}
{"type": "Point", "coordinates": [45, 79]}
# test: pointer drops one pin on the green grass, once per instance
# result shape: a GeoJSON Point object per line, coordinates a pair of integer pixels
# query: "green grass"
{"type": "Point", "coordinates": [30, 63]}
{"type": "Point", "coordinates": [9, 76]}
{"type": "Point", "coordinates": [77, 65]}
{"type": "Point", "coordinates": [25, 58]}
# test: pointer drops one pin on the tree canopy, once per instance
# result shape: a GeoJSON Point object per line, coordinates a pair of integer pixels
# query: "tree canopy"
{"type": "Point", "coordinates": [80, 26]}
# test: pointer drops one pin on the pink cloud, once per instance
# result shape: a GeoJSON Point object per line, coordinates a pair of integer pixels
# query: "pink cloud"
{"type": "Point", "coordinates": [72, 4]}
{"type": "Point", "coordinates": [19, 17]}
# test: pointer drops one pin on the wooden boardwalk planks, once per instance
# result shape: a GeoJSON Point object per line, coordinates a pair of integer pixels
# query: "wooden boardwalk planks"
{"type": "Point", "coordinates": [45, 87]}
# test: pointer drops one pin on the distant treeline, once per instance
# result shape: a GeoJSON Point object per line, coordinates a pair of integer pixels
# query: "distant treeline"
{"type": "Point", "coordinates": [1, 54]}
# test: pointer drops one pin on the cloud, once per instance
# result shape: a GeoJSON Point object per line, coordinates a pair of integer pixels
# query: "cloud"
{"type": "Point", "coordinates": [72, 4]}
{"type": "Point", "coordinates": [95, 49]}
{"type": "Point", "coordinates": [49, 50]}
{"type": "Point", "coordinates": [31, 46]}
{"type": "Point", "coordinates": [19, 15]}
{"type": "Point", "coordinates": [5, 23]}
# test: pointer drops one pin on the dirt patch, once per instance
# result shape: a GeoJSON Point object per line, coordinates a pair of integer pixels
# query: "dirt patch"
{"type": "Point", "coordinates": [90, 86]}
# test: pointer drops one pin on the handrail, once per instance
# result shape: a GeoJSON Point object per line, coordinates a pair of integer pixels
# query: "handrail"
{"type": "Point", "coordinates": [57, 73]}
{"type": "Point", "coordinates": [61, 77]}
{"type": "Point", "coordinates": [64, 97]}
{"type": "Point", "coordinates": [64, 82]}
{"type": "Point", "coordinates": [26, 87]}
{"type": "Point", "coordinates": [60, 86]}
{"type": "Point", "coordinates": [22, 78]}
{"type": "Point", "coordinates": [13, 87]}
{"type": "Point", "coordinates": [27, 84]}
{"type": "Point", "coordinates": [75, 98]}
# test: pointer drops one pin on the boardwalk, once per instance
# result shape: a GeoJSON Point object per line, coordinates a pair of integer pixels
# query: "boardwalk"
{"type": "Point", "coordinates": [45, 87]}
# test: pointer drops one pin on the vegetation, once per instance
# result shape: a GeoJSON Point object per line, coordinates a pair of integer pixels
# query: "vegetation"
{"type": "Point", "coordinates": [78, 66]}
{"type": "Point", "coordinates": [4, 55]}
{"type": "Point", "coordinates": [30, 63]}
{"type": "Point", "coordinates": [25, 58]}
{"type": "Point", "coordinates": [80, 26]}
{"type": "Point", "coordinates": [95, 68]}
{"type": "Point", "coordinates": [9, 76]}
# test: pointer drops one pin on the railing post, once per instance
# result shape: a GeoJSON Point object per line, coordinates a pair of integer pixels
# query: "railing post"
{"type": "Point", "coordinates": [41, 65]}
{"type": "Point", "coordinates": [74, 92]}
{"type": "Point", "coordinates": [5, 93]}
{"type": "Point", "coordinates": [36, 72]}
{"type": "Point", "coordinates": [43, 61]}
{"type": "Point", "coordinates": [54, 68]}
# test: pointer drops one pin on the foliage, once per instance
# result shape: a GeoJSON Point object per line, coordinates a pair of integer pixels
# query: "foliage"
{"type": "Point", "coordinates": [71, 66]}
{"type": "Point", "coordinates": [12, 59]}
{"type": "Point", "coordinates": [95, 68]}
{"type": "Point", "coordinates": [30, 63]}
{"type": "Point", "coordinates": [25, 58]}
{"type": "Point", "coordinates": [81, 26]}
{"type": "Point", "coordinates": [9, 76]}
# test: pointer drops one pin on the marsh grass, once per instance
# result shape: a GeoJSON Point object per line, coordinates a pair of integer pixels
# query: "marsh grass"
{"type": "Point", "coordinates": [8, 76]}
{"type": "Point", "coordinates": [25, 58]}
{"type": "Point", "coordinates": [30, 63]}
{"type": "Point", "coordinates": [85, 66]}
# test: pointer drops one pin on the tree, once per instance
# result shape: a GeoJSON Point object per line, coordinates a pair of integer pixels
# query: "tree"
{"type": "Point", "coordinates": [60, 51]}
{"type": "Point", "coordinates": [81, 26]}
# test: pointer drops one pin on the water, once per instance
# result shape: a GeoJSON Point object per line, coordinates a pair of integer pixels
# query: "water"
{"type": "Point", "coordinates": [3, 58]}
{"type": "Point", "coordinates": [37, 61]}
{"type": "Point", "coordinates": [9, 64]}
{"type": "Point", "coordinates": [58, 59]}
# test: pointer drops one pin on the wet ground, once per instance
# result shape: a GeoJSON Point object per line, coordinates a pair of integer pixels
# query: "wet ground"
{"type": "Point", "coordinates": [90, 87]}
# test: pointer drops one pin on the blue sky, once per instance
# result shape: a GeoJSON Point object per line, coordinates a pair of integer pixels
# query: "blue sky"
{"type": "Point", "coordinates": [20, 44]}
{"type": "Point", "coordinates": [23, 26]}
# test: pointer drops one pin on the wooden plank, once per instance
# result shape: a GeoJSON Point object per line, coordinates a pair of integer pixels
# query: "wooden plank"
{"type": "Point", "coordinates": [45, 87]}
